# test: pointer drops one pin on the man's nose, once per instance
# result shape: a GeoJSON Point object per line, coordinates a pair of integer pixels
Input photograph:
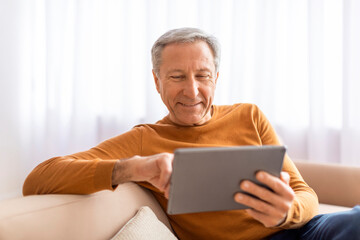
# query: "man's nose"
{"type": "Point", "coordinates": [191, 88]}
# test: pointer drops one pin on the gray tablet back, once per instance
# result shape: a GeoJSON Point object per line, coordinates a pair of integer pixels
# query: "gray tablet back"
{"type": "Point", "coordinates": [206, 179]}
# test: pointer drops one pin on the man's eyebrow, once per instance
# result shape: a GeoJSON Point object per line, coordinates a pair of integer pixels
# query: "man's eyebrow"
{"type": "Point", "coordinates": [172, 71]}
{"type": "Point", "coordinates": [204, 70]}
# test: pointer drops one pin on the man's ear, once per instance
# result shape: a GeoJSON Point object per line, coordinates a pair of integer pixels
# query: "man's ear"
{"type": "Point", "coordinates": [157, 81]}
{"type": "Point", "coordinates": [217, 76]}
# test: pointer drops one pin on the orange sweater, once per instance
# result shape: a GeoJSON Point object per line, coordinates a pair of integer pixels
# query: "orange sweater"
{"type": "Point", "coordinates": [240, 124]}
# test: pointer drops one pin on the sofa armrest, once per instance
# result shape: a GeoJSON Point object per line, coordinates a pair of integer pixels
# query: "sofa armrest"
{"type": "Point", "coordinates": [333, 183]}
{"type": "Point", "coordinates": [95, 216]}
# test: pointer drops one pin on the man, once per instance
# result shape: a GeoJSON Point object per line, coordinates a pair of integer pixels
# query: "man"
{"type": "Point", "coordinates": [185, 70]}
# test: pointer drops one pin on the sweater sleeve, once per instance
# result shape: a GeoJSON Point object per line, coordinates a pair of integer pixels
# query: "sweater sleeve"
{"type": "Point", "coordinates": [305, 204]}
{"type": "Point", "coordinates": [84, 172]}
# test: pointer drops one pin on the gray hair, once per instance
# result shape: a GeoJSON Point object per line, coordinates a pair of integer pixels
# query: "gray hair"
{"type": "Point", "coordinates": [184, 35]}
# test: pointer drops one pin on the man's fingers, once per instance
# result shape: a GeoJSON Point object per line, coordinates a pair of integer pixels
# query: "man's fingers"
{"type": "Point", "coordinates": [269, 207]}
{"type": "Point", "coordinates": [279, 186]}
{"type": "Point", "coordinates": [266, 196]}
{"type": "Point", "coordinates": [158, 169]}
{"type": "Point", "coordinates": [165, 166]}
{"type": "Point", "coordinates": [167, 191]}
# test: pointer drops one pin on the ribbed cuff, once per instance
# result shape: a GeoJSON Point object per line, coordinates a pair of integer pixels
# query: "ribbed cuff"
{"type": "Point", "coordinates": [103, 175]}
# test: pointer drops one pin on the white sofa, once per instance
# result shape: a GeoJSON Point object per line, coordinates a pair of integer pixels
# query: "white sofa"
{"type": "Point", "coordinates": [101, 215]}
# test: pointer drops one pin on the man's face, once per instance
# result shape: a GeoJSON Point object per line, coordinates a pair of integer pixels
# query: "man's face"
{"type": "Point", "coordinates": [187, 81]}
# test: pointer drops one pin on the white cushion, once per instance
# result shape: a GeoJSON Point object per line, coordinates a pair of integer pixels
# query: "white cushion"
{"type": "Point", "coordinates": [144, 225]}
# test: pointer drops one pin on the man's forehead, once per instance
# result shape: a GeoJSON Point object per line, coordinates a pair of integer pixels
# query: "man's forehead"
{"type": "Point", "coordinates": [197, 50]}
{"type": "Point", "coordinates": [183, 57]}
{"type": "Point", "coordinates": [180, 70]}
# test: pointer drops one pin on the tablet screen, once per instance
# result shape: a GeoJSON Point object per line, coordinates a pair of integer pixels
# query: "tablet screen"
{"type": "Point", "coordinates": [206, 179]}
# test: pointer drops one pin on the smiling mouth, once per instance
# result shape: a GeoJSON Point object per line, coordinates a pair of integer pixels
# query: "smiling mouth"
{"type": "Point", "coordinates": [188, 105]}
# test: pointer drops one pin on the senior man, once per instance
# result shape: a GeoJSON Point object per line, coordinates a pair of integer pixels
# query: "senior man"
{"type": "Point", "coordinates": [186, 71]}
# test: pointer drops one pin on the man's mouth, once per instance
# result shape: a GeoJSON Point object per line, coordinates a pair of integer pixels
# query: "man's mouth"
{"type": "Point", "coordinates": [188, 105]}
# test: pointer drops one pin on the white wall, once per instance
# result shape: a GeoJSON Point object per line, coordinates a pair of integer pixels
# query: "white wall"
{"type": "Point", "coordinates": [73, 73]}
{"type": "Point", "coordinates": [11, 169]}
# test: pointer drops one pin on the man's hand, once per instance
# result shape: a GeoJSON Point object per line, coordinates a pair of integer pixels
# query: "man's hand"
{"type": "Point", "coordinates": [271, 208]}
{"type": "Point", "coordinates": [155, 169]}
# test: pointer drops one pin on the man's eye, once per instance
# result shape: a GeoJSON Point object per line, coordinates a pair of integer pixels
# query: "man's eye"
{"type": "Point", "coordinates": [176, 77]}
{"type": "Point", "coordinates": [203, 77]}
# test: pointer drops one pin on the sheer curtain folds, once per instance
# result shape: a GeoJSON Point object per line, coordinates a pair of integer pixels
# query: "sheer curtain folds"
{"type": "Point", "coordinates": [74, 73]}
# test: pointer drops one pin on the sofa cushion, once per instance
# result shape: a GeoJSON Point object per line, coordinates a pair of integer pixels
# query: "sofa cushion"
{"type": "Point", "coordinates": [327, 208]}
{"type": "Point", "coordinates": [334, 184]}
{"type": "Point", "coordinates": [144, 225]}
{"type": "Point", "coordinates": [60, 216]}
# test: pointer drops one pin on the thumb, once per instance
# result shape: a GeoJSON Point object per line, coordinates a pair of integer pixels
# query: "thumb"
{"type": "Point", "coordinates": [285, 177]}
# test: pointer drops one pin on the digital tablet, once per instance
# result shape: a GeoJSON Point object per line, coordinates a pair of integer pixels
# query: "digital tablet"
{"type": "Point", "coordinates": [206, 179]}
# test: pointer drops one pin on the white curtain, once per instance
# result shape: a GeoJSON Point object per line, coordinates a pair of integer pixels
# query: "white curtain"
{"type": "Point", "coordinates": [76, 72]}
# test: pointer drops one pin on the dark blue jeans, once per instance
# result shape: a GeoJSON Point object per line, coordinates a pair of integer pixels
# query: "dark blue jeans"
{"type": "Point", "coordinates": [340, 225]}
